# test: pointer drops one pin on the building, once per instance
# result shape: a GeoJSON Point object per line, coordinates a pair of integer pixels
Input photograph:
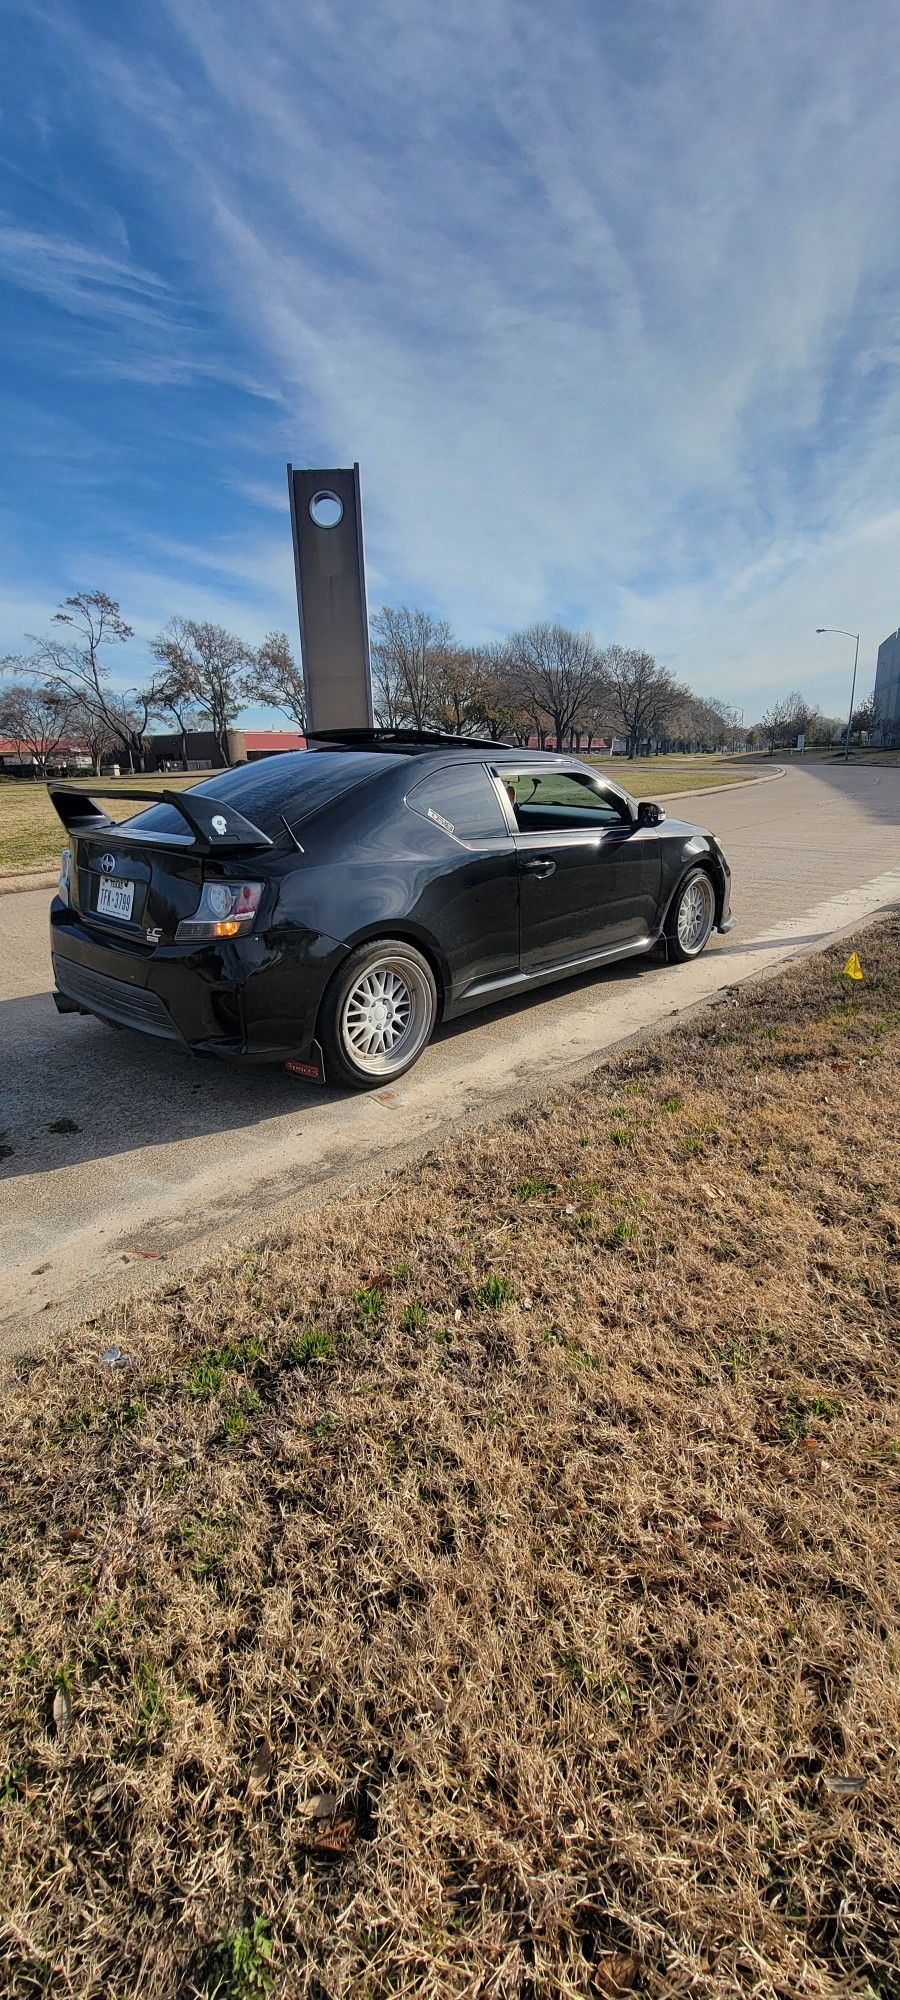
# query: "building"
{"type": "Point", "coordinates": [198, 749]}
{"type": "Point", "coordinates": [19, 762]}
{"type": "Point", "coordinates": [886, 731]}
{"type": "Point", "coordinates": [248, 745]}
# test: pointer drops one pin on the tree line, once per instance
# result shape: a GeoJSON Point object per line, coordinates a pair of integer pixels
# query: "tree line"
{"type": "Point", "coordinates": [65, 689]}
{"type": "Point", "coordinates": [545, 683]}
{"type": "Point", "coordinates": [792, 716]}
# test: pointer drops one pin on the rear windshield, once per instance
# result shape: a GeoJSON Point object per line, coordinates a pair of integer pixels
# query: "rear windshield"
{"type": "Point", "coordinates": [287, 787]}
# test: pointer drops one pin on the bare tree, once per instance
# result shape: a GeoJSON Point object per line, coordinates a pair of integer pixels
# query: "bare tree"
{"type": "Point", "coordinates": [410, 651]}
{"type": "Point", "coordinates": [77, 669]}
{"type": "Point", "coordinates": [177, 700]}
{"type": "Point", "coordinates": [36, 719]}
{"type": "Point", "coordinates": [92, 729]}
{"type": "Point", "coordinates": [458, 703]}
{"type": "Point", "coordinates": [131, 717]}
{"type": "Point", "coordinates": [775, 720]}
{"type": "Point", "coordinates": [865, 718]}
{"type": "Point", "coordinates": [716, 722]}
{"type": "Point", "coordinates": [644, 693]}
{"type": "Point", "coordinates": [700, 721]}
{"type": "Point", "coordinates": [497, 708]}
{"type": "Point", "coordinates": [554, 672]}
{"type": "Point", "coordinates": [595, 717]}
{"type": "Point", "coordinates": [275, 679]}
{"type": "Point", "coordinates": [802, 717]}
{"type": "Point", "coordinates": [209, 665]}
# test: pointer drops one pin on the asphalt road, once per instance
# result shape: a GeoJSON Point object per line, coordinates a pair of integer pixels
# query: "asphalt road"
{"type": "Point", "coordinates": [167, 1160]}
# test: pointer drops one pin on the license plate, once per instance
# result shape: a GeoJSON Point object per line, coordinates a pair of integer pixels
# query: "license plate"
{"type": "Point", "coordinates": [114, 899]}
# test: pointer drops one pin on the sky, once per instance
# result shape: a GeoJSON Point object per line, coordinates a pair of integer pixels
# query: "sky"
{"type": "Point", "coordinates": [604, 298]}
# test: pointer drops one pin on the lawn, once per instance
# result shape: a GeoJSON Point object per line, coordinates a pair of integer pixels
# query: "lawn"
{"type": "Point", "coordinates": [663, 777]}
{"type": "Point", "coordinates": [489, 1587]}
{"type": "Point", "coordinates": [31, 834]}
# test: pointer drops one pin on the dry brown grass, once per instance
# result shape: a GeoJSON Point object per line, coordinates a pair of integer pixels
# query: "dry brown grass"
{"type": "Point", "coordinates": [491, 1589]}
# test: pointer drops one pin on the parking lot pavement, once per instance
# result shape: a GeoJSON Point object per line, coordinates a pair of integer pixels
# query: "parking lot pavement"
{"type": "Point", "coordinates": [121, 1159]}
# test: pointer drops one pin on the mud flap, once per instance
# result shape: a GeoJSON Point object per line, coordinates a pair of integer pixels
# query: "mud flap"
{"type": "Point", "coordinates": [314, 1068]}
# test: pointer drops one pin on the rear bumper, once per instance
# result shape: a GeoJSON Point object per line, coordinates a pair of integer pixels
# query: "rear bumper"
{"type": "Point", "coordinates": [252, 998]}
{"type": "Point", "coordinates": [81, 989]}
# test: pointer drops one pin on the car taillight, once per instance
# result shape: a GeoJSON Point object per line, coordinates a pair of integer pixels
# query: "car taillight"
{"type": "Point", "coordinates": [65, 872]}
{"type": "Point", "coordinates": [225, 910]}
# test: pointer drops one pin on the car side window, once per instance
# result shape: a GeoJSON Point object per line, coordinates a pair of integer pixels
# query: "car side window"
{"type": "Point", "coordinates": [462, 800]}
{"type": "Point", "coordinates": [559, 801]}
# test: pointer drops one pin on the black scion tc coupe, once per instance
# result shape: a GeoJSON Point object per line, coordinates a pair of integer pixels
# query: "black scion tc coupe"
{"type": "Point", "coordinates": [327, 908]}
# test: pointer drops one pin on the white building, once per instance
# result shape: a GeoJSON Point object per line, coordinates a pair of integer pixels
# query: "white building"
{"type": "Point", "coordinates": [887, 693]}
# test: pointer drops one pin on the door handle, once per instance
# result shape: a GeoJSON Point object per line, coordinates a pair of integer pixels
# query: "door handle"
{"type": "Point", "coordinates": [540, 865]}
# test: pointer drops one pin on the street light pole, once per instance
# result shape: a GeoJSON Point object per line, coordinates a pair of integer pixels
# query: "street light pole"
{"type": "Point", "coordinates": [846, 635]}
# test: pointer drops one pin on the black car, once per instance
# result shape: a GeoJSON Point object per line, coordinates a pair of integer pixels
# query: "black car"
{"type": "Point", "coordinates": [327, 908]}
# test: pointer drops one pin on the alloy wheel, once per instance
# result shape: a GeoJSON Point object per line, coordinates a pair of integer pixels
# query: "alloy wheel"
{"type": "Point", "coordinates": [696, 912]}
{"type": "Point", "coordinates": [386, 1017]}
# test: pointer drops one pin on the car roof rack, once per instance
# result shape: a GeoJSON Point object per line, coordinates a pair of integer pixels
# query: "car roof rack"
{"type": "Point", "coordinates": [398, 739]}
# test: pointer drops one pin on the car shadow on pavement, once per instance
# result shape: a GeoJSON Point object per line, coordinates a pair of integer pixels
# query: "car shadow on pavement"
{"type": "Point", "coordinates": [78, 1091]}
{"type": "Point", "coordinates": [75, 1090]}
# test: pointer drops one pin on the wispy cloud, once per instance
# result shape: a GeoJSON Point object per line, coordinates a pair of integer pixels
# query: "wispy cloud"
{"type": "Point", "coordinates": [83, 280]}
{"type": "Point", "coordinates": [604, 298]}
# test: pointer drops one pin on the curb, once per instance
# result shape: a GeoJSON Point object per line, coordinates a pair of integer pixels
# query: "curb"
{"type": "Point", "coordinates": [11, 885]}
{"type": "Point", "coordinates": [739, 785]}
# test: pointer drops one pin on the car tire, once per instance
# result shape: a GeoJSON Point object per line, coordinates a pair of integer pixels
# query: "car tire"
{"type": "Point", "coordinates": [692, 916]}
{"type": "Point", "coordinates": [378, 1014]}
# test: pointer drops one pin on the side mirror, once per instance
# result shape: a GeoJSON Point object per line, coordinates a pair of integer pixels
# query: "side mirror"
{"type": "Point", "coordinates": [649, 814]}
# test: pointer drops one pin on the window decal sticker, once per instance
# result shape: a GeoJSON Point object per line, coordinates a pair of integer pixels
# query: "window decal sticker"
{"type": "Point", "coordinates": [440, 820]}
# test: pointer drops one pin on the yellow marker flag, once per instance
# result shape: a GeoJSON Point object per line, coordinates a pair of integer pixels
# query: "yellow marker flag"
{"type": "Point", "coordinates": [853, 969]}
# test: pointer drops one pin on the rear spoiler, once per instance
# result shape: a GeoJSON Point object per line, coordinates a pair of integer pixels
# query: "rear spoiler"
{"type": "Point", "coordinates": [211, 827]}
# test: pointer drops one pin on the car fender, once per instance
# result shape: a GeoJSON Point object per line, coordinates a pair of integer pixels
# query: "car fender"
{"type": "Point", "coordinates": [411, 933]}
{"type": "Point", "coordinates": [697, 851]}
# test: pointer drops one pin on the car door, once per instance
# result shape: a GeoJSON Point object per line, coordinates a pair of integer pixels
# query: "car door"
{"type": "Point", "coordinates": [470, 898]}
{"type": "Point", "coordinates": [589, 876]}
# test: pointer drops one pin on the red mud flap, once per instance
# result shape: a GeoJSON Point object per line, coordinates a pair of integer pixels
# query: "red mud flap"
{"type": "Point", "coordinates": [315, 1068]}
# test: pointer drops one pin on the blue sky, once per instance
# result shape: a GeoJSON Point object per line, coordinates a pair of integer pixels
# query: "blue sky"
{"type": "Point", "coordinates": [605, 298]}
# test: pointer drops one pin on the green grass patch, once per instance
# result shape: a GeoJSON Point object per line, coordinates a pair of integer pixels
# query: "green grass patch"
{"type": "Point", "coordinates": [311, 1346]}
{"type": "Point", "coordinates": [241, 1965]}
{"type": "Point", "coordinates": [369, 1303]}
{"type": "Point", "coordinates": [204, 1378]}
{"type": "Point", "coordinates": [493, 1292]}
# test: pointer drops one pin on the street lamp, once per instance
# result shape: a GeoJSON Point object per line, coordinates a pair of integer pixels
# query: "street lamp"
{"type": "Point", "coordinates": [846, 635]}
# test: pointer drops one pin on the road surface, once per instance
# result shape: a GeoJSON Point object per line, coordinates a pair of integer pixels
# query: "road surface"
{"type": "Point", "coordinates": [164, 1160]}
